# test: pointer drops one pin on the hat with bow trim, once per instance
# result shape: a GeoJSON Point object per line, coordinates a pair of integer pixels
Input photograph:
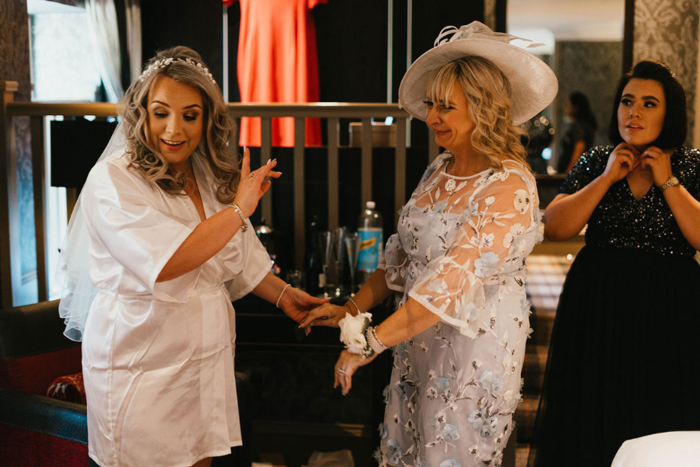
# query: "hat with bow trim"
{"type": "Point", "coordinates": [533, 84]}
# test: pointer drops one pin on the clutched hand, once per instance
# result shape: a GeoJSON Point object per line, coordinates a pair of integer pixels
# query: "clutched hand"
{"type": "Point", "coordinates": [659, 162]}
{"type": "Point", "coordinates": [253, 184]}
{"type": "Point", "coordinates": [623, 160]}
{"type": "Point", "coordinates": [325, 315]}
{"type": "Point", "coordinates": [297, 304]}
{"type": "Point", "coordinates": [346, 366]}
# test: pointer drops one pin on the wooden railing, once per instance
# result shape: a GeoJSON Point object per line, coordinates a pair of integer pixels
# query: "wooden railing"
{"type": "Point", "coordinates": [37, 112]}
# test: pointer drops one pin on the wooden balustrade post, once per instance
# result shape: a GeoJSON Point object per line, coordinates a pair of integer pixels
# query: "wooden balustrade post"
{"type": "Point", "coordinates": [333, 172]}
{"type": "Point", "coordinates": [366, 183]}
{"type": "Point", "coordinates": [266, 155]}
{"type": "Point", "coordinates": [9, 213]}
{"type": "Point", "coordinates": [40, 215]}
{"type": "Point", "coordinates": [299, 191]}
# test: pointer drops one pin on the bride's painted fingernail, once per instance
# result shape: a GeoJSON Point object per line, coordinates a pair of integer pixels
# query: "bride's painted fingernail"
{"type": "Point", "coordinates": [268, 161]}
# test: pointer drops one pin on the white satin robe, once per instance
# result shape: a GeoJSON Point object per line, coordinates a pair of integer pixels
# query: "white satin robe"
{"type": "Point", "coordinates": [158, 357]}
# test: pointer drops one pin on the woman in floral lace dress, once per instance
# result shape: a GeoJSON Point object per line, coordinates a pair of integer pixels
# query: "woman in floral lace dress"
{"type": "Point", "coordinates": [457, 263]}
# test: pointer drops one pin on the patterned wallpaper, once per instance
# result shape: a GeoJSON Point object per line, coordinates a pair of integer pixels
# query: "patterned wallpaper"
{"type": "Point", "coordinates": [592, 68]}
{"type": "Point", "coordinates": [667, 30]}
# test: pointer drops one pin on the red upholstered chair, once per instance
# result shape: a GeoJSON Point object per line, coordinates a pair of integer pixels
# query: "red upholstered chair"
{"type": "Point", "coordinates": [36, 430]}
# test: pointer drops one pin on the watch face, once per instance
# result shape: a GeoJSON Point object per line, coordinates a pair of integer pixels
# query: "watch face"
{"type": "Point", "coordinates": [674, 181]}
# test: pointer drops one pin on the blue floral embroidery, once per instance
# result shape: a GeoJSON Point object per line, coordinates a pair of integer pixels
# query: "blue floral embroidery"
{"type": "Point", "coordinates": [486, 265]}
{"type": "Point", "coordinates": [492, 384]}
{"type": "Point", "coordinates": [450, 432]}
{"type": "Point", "coordinates": [482, 422]}
{"type": "Point", "coordinates": [393, 451]}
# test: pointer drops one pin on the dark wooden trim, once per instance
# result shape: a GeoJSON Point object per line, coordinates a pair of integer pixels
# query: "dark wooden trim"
{"type": "Point", "coordinates": [40, 207]}
{"type": "Point", "coordinates": [9, 227]}
{"type": "Point", "coordinates": [299, 191]}
{"type": "Point", "coordinates": [366, 183]}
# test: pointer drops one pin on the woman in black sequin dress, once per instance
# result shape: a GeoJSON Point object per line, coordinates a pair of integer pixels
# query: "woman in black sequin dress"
{"type": "Point", "coordinates": [622, 361]}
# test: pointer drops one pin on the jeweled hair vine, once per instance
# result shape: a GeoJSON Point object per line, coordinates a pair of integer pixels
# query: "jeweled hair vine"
{"type": "Point", "coordinates": [488, 94]}
{"type": "Point", "coordinates": [185, 66]}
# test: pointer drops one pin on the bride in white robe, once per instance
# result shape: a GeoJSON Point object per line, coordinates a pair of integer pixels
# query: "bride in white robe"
{"type": "Point", "coordinates": [166, 256]}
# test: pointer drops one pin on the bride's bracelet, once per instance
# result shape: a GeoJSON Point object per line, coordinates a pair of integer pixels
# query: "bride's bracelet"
{"type": "Point", "coordinates": [280, 295]}
{"type": "Point", "coordinates": [244, 225]}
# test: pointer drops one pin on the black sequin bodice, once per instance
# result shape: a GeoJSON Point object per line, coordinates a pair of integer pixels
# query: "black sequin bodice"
{"type": "Point", "coordinates": [621, 221]}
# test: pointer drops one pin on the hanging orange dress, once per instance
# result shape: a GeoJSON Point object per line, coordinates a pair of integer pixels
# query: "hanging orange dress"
{"type": "Point", "coordinates": [277, 62]}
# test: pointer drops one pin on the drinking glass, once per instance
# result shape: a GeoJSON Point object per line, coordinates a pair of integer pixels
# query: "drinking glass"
{"type": "Point", "coordinates": [352, 248]}
{"type": "Point", "coordinates": [339, 252]}
{"type": "Point", "coordinates": [333, 246]}
{"type": "Point", "coordinates": [327, 262]}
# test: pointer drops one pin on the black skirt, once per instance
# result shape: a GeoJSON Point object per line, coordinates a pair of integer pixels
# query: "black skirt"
{"type": "Point", "coordinates": [624, 356]}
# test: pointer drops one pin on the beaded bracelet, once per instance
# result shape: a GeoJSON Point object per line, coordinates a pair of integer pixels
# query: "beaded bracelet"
{"type": "Point", "coordinates": [373, 341]}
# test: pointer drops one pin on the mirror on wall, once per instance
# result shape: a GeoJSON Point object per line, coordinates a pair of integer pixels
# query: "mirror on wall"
{"type": "Point", "coordinates": [583, 44]}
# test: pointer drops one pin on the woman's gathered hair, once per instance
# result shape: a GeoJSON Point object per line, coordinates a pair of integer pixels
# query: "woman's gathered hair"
{"type": "Point", "coordinates": [675, 127]}
{"type": "Point", "coordinates": [488, 93]}
{"type": "Point", "coordinates": [185, 66]}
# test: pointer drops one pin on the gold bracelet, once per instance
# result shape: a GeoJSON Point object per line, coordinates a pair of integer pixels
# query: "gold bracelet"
{"type": "Point", "coordinates": [281, 293]}
{"type": "Point", "coordinates": [244, 226]}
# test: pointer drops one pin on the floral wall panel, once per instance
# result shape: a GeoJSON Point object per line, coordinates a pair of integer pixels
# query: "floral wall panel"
{"type": "Point", "coordinates": [667, 30]}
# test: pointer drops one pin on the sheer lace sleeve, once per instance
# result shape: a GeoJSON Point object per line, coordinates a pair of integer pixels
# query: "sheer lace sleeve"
{"type": "Point", "coordinates": [395, 258]}
{"type": "Point", "coordinates": [495, 236]}
{"type": "Point", "coordinates": [394, 263]}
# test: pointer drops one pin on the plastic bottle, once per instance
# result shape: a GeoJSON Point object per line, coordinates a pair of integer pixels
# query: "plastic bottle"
{"type": "Point", "coordinates": [369, 229]}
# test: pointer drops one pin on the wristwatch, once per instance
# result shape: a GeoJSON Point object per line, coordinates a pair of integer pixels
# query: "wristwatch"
{"type": "Point", "coordinates": [672, 181]}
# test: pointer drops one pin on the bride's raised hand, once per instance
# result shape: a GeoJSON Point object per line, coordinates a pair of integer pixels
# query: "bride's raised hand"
{"type": "Point", "coordinates": [253, 184]}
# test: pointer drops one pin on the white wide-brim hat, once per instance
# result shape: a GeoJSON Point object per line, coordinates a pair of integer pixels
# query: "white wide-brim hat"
{"type": "Point", "coordinates": [533, 84]}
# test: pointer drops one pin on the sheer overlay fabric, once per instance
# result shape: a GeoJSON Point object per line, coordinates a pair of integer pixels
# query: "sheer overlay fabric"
{"type": "Point", "coordinates": [460, 252]}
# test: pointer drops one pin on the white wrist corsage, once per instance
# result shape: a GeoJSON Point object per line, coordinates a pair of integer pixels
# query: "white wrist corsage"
{"type": "Point", "coordinates": [352, 333]}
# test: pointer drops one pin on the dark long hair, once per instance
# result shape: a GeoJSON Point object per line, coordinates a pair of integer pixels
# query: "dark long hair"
{"type": "Point", "coordinates": [583, 109]}
{"type": "Point", "coordinates": [675, 128]}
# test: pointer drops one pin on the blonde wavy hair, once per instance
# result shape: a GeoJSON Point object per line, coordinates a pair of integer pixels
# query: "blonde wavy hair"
{"type": "Point", "coordinates": [488, 93]}
{"type": "Point", "coordinates": [145, 158]}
